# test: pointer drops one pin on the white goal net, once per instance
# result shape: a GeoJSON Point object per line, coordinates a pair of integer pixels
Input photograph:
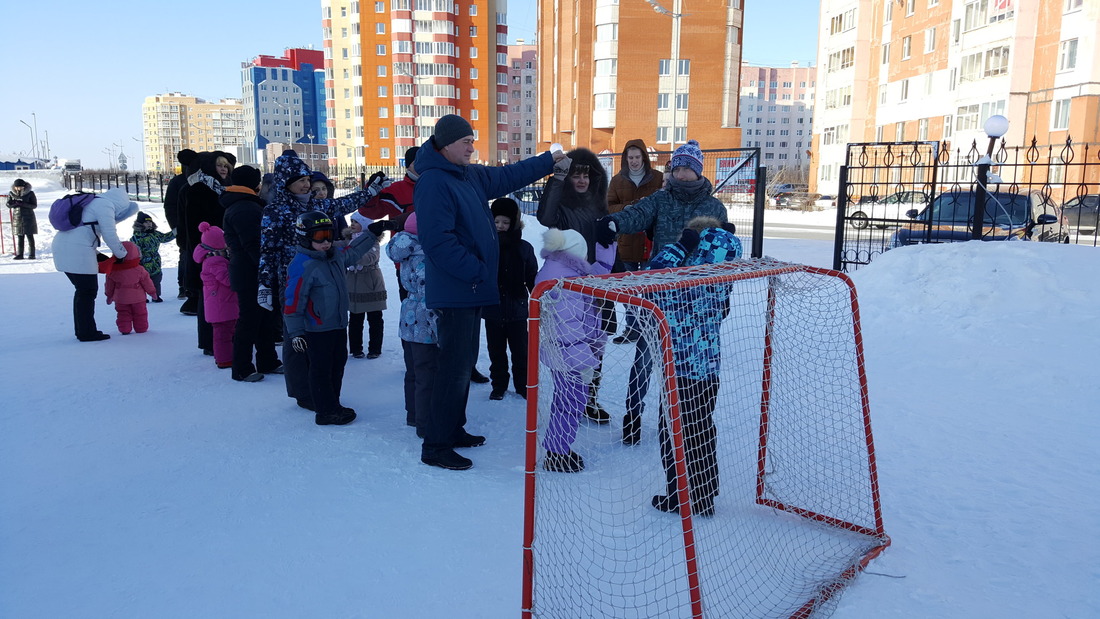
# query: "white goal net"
{"type": "Point", "coordinates": [722, 465]}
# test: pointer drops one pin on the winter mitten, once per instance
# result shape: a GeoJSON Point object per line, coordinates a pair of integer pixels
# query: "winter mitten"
{"type": "Point", "coordinates": [729, 227]}
{"type": "Point", "coordinates": [299, 344]}
{"type": "Point", "coordinates": [561, 168]}
{"type": "Point", "coordinates": [263, 298]}
{"type": "Point", "coordinates": [375, 184]}
{"type": "Point", "coordinates": [377, 228]}
{"type": "Point", "coordinates": [605, 231]}
{"type": "Point", "coordinates": [689, 240]}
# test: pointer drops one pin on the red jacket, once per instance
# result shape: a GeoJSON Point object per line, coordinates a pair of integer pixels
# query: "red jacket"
{"type": "Point", "coordinates": [395, 202]}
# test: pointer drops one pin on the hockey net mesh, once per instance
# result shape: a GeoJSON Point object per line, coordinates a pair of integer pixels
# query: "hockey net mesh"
{"type": "Point", "coordinates": [796, 513]}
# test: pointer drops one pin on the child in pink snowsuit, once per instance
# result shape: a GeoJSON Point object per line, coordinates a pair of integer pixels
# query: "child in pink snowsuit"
{"type": "Point", "coordinates": [127, 285]}
{"type": "Point", "coordinates": [220, 302]}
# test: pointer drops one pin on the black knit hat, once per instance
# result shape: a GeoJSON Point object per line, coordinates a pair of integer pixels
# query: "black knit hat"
{"type": "Point", "coordinates": [410, 155]}
{"type": "Point", "coordinates": [143, 217]}
{"type": "Point", "coordinates": [450, 129]}
{"type": "Point", "coordinates": [246, 176]}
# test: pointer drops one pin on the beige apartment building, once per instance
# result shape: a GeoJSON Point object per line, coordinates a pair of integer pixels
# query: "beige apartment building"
{"type": "Point", "coordinates": [777, 115]}
{"type": "Point", "coordinates": [394, 67]}
{"type": "Point", "coordinates": [612, 71]}
{"type": "Point", "coordinates": [523, 101]}
{"type": "Point", "coordinates": [174, 121]}
{"type": "Point", "coordinates": [935, 70]}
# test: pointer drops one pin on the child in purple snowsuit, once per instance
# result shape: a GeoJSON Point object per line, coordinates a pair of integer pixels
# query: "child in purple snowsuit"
{"type": "Point", "coordinates": [575, 346]}
{"type": "Point", "coordinates": [219, 301]}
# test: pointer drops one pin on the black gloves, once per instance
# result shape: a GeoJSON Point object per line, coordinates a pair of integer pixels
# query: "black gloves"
{"type": "Point", "coordinates": [374, 184]}
{"type": "Point", "coordinates": [299, 344]}
{"type": "Point", "coordinates": [729, 227]}
{"type": "Point", "coordinates": [689, 240]}
{"type": "Point", "coordinates": [605, 231]}
{"type": "Point", "coordinates": [377, 228]}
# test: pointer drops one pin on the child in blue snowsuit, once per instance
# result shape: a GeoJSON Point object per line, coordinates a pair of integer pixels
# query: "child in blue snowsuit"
{"type": "Point", "coordinates": [149, 241]}
{"type": "Point", "coordinates": [695, 321]}
{"type": "Point", "coordinates": [316, 309]}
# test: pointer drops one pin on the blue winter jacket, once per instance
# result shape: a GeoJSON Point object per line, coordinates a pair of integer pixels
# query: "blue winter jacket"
{"type": "Point", "coordinates": [317, 287]}
{"type": "Point", "coordinates": [456, 226]}
{"type": "Point", "coordinates": [695, 314]}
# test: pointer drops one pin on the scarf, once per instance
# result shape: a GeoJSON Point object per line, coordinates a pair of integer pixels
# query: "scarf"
{"type": "Point", "coordinates": [688, 191]}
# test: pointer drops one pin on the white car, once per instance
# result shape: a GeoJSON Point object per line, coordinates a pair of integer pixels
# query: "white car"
{"type": "Point", "coordinates": [890, 211]}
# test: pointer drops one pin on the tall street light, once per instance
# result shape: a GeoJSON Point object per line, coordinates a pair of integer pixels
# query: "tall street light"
{"type": "Point", "coordinates": [674, 70]}
{"type": "Point", "coordinates": [995, 127]}
{"type": "Point", "coordinates": [34, 144]}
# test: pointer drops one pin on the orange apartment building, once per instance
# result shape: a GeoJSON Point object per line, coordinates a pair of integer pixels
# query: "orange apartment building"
{"type": "Point", "coordinates": [394, 67]}
{"type": "Point", "coordinates": [610, 72]}
{"type": "Point", "coordinates": [935, 70]}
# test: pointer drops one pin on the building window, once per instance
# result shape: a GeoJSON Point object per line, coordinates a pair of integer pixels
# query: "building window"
{"type": "Point", "coordinates": [922, 129]}
{"type": "Point", "coordinates": [899, 131]}
{"type": "Point", "coordinates": [607, 67]}
{"type": "Point", "coordinates": [843, 22]}
{"type": "Point", "coordinates": [383, 91]}
{"type": "Point", "coordinates": [947, 127]}
{"type": "Point", "coordinates": [664, 67]}
{"type": "Point", "coordinates": [910, 7]}
{"type": "Point", "coordinates": [384, 133]}
{"type": "Point", "coordinates": [682, 101]}
{"type": "Point", "coordinates": [380, 28]}
{"type": "Point", "coordinates": [473, 31]}
{"type": "Point", "coordinates": [662, 134]}
{"type": "Point", "coordinates": [975, 14]}
{"type": "Point", "coordinates": [607, 32]}
{"type": "Point", "coordinates": [966, 118]}
{"type": "Point", "coordinates": [886, 53]}
{"type": "Point", "coordinates": [996, 61]}
{"type": "Point", "coordinates": [380, 50]}
{"type": "Point", "coordinates": [605, 101]}
{"type": "Point", "coordinates": [1067, 55]}
{"type": "Point", "coordinates": [906, 47]}
{"type": "Point", "coordinates": [681, 135]}
{"type": "Point", "coordinates": [971, 67]}
{"type": "Point", "coordinates": [1073, 5]}
{"type": "Point", "coordinates": [930, 40]}
{"type": "Point", "coordinates": [662, 101]}
{"type": "Point", "coordinates": [842, 59]}
{"type": "Point", "coordinates": [379, 7]}
{"type": "Point", "coordinates": [473, 10]}
{"type": "Point", "coordinates": [383, 112]}
{"type": "Point", "coordinates": [904, 90]}
{"type": "Point", "coordinates": [1060, 117]}
{"type": "Point", "coordinates": [381, 72]}
{"type": "Point", "coordinates": [384, 153]}
{"type": "Point", "coordinates": [683, 67]}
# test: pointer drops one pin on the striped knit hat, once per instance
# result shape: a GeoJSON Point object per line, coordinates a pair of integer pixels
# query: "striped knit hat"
{"type": "Point", "coordinates": [688, 156]}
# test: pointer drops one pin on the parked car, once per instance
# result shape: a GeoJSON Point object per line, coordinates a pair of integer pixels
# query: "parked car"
{"type": "Point", "coordinates": [825, 201]}
{"type": "Point", "coordinates": [1081, 213]}
{"type": "Point", "coordinates": [528, 199]}
{"type": "Point", "coordinates": [891, 207]}
{"type": "Point", "coordinates": [1025, 216]}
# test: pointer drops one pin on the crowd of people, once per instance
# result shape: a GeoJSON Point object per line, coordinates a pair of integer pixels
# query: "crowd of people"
{"type": "Point", "coordinates": [272, 259]}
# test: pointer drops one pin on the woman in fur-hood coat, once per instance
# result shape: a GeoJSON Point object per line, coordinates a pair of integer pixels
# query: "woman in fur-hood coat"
{"type": "Point", "coordinates": [563, 207]}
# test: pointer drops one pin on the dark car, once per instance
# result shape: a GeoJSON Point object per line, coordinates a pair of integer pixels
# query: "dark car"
{"type": "Point", "coordinates": [1081, 213]}
{"type": "Point", "coordinates": [1008, 216]}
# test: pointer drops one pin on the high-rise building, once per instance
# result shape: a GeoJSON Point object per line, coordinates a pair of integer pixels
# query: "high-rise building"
{"type": "Point", "coordinates": [284, 103]}
{"type": "Point", "coordinates": [777, 114]}
{"type": "Point", "coordinates": [394, 67]}
{"type": "Point", "coordinates": [664, 71]}
{"type": "Point", "coordinates": [174, 121]}
{"type": "Point", "coordinates": [935, 70]}
{"type": "Point", "coordinates": [523, 102]}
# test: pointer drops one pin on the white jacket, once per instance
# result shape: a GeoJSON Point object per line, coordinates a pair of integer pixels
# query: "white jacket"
{"type": "Point", "coordinates": [74, 251]}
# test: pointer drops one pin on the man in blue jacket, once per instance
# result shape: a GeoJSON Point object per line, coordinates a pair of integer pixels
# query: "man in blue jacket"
{"type": "Point", "coordinates": [461, 251]}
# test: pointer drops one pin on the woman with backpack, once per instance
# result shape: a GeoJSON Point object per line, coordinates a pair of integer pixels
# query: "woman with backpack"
{"type": "Point", "coordinates": [75, 253]}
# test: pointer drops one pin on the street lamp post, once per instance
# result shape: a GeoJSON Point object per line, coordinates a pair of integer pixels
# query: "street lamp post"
{"type": "Point", "coordinates": [34, 145]}
{"type": "Point", "coordinates": [674, 70]}
{"type": "Point", "coordinates": [995, 127]}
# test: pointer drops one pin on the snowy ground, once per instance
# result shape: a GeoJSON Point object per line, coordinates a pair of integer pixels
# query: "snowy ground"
{"type": "Point", "coordinates": [137, 480]}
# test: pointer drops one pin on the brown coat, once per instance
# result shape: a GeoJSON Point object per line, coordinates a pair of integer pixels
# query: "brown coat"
{"type": "Point", "coordinates": [622, 192]}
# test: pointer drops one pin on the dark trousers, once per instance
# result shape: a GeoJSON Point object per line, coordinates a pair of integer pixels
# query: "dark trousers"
{"type": "Point", "coordinates": [30, 242]}
{"type": "Point", "coordinates": [697, 401]}
{"type": "Point", "coordinates": [459, 331]}
{"type": "Point", "coordinates": [631, 312]}
{"type": "Point", "coordinates": [255, 331]}
{"type": "Point", "coordinates": [375, 326]}
{"type": "Point", "coordinates": [295, 364]}
{"type": "Point", "coordinates": [87, 289]}
{"type": "Point", "coordinates": [638, 383]}
{"type": "Point", "coordinates": [205, 331]}
{"type": "Point", "coordinates": [502, 337]}
{"type": "Point", "coordinates": [328, 354]}
{"type": "Point", "coordinates": [157, 278]}
{"type": "Point", "coordinates": [421, 362]}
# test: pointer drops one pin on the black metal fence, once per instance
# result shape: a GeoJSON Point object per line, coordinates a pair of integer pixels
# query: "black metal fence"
{"type": "Point", "coordinates": [142, 187]}
{"type": "Point", "coordinates": [901, 193]}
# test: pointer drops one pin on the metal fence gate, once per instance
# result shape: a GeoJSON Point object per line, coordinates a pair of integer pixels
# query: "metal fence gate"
{"type": "Point", "coordinates": [901, 193]}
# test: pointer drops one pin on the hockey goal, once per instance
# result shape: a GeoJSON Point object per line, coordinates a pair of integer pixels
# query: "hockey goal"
{"type": "Point", "coordinates": [748, 486]}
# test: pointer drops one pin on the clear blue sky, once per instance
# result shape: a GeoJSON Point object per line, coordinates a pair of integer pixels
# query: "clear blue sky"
{"type": "Point", "coordinates": [83, 69]}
